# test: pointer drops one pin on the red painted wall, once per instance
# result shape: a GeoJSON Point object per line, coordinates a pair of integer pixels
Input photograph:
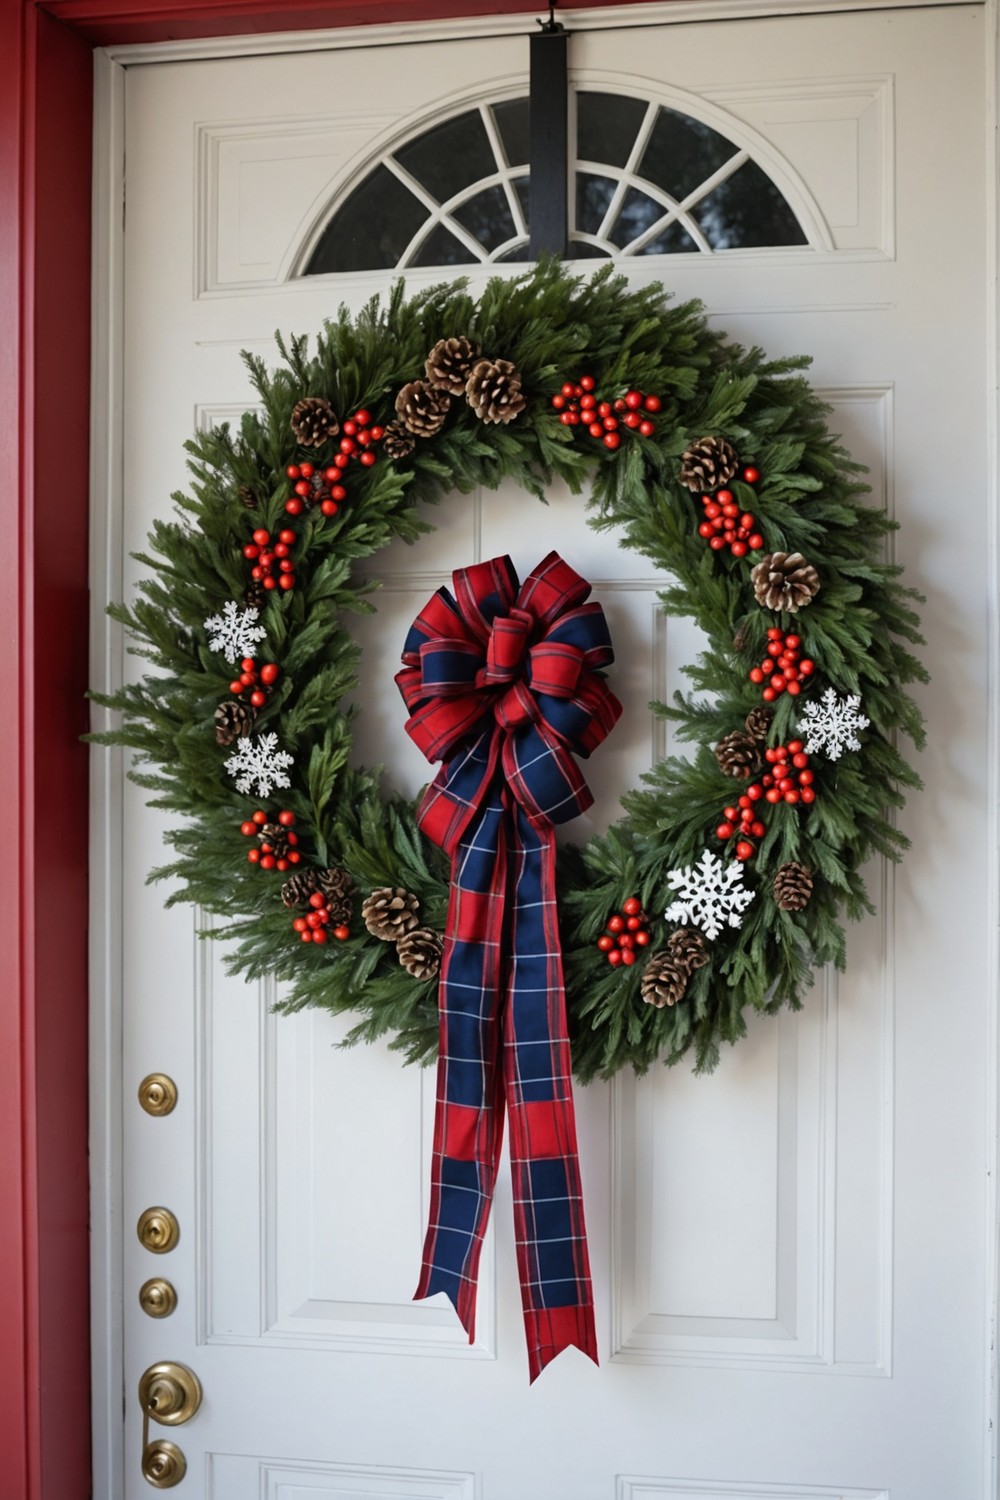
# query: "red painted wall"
{"type": "Point", "coordinates": [45, 176]}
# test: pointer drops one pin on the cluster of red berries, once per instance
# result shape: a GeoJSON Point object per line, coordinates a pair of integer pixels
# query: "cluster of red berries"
{"type": "Point", "coordinates": [279, 854]}
{"type": "Point", "coordinates": [726, 525]}
{"type": "Point", "coordinates": [272, 560]}
{"type": "Point", "coordinates": [578, 406]}
{"type": "Point", "coordinates": [784, 667]}
{"type": "Point", "coordinates": [314, 486]}
{"type": "Point", "coordinates": [323, 487]}
{"type": "Point", "coordinates": [312, 928]}
{"type": "Point", "coordinates": [626, 931]}
{"type": "Point", "coordinates": [258, 682]}
{"type": "Point", "coordinates": [788, 780]}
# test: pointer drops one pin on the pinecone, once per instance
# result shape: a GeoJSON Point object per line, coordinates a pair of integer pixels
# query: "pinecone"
{"type": "Point", "coordinates": [390, 913]}
{"type": "Point", "coordinates": [792, 886]}
{"type": "Point", "coordinates": [397, 442]}
{"type": "Point", "coordinates": [449, 363]}
{"type": "Point", "coordinates": [338, 888]}
{"type": "Point", "coordinates": [247, 497]}
{"type": "Point", "coordinates": [708, 464]}
{"type": "Point", "coordinates": [758, 722]}
{"type": "Point", "coordinates": [664, 981]}
{"type": "Point", "coordinates": [313, 421]}
{"type": "Point", "coordinates": [256, 594]}
{"type": "Point", "coordinates": [275, 838]}
{"type": "Point", "coordinates": [493, 390]}
{"type": "Point", "coordinates": [687, 946]}
{"type": "Point", "coordinates": [232, 721]}
{"type": "Point", "coordinates": [738, 755]}
{"type": "Point", "coordinates": [422, 409]}
{"type": "Point", "coordinates": [299, 887]}
{"type": "Point", "coordinates": [740, 637]}
{"type": "Point", "coordinates": [420, 952]}
{"type": "Point", "coordinates": [784, 581]}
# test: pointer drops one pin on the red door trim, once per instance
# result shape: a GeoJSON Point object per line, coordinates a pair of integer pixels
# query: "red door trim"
{"type": "Point", "coordinates": [45, 183]}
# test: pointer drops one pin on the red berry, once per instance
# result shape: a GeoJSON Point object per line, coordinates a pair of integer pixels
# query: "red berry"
{"type": "Point", "coordinates": [628, 957]}
{"type": "Point", "coordinates": [611, 440]}
{"type": "Point", "coordinates": [269, 582]}
{"type": "Point", "coordinates": [795, 747]}
{"type": "Point", "coordinates": [604, 409]}
{"type": "Point", "coordinates": [641, 938]}
{"type": "Point", "coordinates": [236, 687]}
{"type": "Point", "coordinates": [750, 474]}
{"type": "Point", "coordinates": [717, 543]}
{"type": "Point", "coordinates": [744, 850]}
{"type": "Point", "coordinates": [596, 429]}
{"type": "Point", "coordinates": [647, 429]}
{"type": "Point", "coordinates": [261, 537]}
{"type": "Point", "coordinates": [267, 861]}
{"type": "Point", "coordinates": [725, 497]}
{"type": "Point", "coordinates": [248, 829]}
{"type": "Point", "coordinates": [769, 695]}
{"type": "Point", "coordinates": [792, 797]}
{"type": "Point", "coordinates": [633, 420]}
{"type": "Point", "coordinates": [633, 923]}
{"type": "Point", "coordinates": [286, 819]}
{"type": "Point", "coordinates": [342, 460]}
{"type": "Point", "coordinates": [806, 778]}
{"type": "Point", "coordinates": [755, 674]}
{"type": "Point", "coordinates": [286, 581]}
{"type": "Point", "coordinates": [625, 941]}
{"type": "Point", "coordinates": [712, 511]}
{"type": "Point", "coordinates": [772, 794]}
{"type": "Point", "coordinates": [588, 403]}
{"type": "Point", "coordinates": [757, 829]}
{"type": "Point", "coordinates": [258, 699]}
{"type": "Point", "coordinates": [319, 936]}
{"type": "Point", "coordinates": [807, 794]}
{"type": "Point", "coordinates": [755, 542]}
{"type": "Point", "coordinates": [706, 529]}
{"type": "Point", "coordinates": [299, 923]}
{"type": "Point", "coordinates": [342, 933]}
{"type": "Point", "coordinates": [632, 907]}
{"type": "Point", "coordinates": [725, 831]}
{"type": "Point", "coordinates": [368, 458]}
{"type": "Point", "coordinates": [806, 667]}
{"type": "Point", "coordinates": [611, 424]}
{"type": "Point", "coordinates": [306, 935]}
{"type": "Point", "coordinates": [633, 400]}
{"type": "Point", "coordinates": [793, 642]}
{"type": "Point", "coordinates": [616, 923]}
{"type": "Point", "coordinates": [615, 956]}
{"type": "Point", "coordinates": [250, 551]}
{"type": "Point", "coordinates": [293, 471]}
{"type": "Point", "coordinates": [363, 417]}
{"type": "Point", "coordinates": [738, 549]}
{"type": "Point", "coordinates": [294, 506]}
{"type": "Point", "coordinates": [605, 942]}
{"type": "Point", "coordinates": [652, 403]}
{"type": "Point", "coordinates": [559, 402]}
{"type": "Point", "coordinates": [587, 382]}
{"type": "Point", "coordinates": [329, 507]}
{"type": "Point", "coordinates": [569, 389]}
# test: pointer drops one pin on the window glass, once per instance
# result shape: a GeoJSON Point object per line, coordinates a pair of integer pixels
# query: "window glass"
{"type": "Point", "coordinates": [441, 248]}
{"type": "Point", "coordinates": [593, 199]}
{"type": "Point", "coordinates": [512, 121]}
{"type": "Point", "coordinates": [681, 153]}
{"type": "Point", "coordinates": [606, 126]}
{"type": "Point", "coordinates": [488, 218]}
{"type": "Point", "coordinates": [747, 210]}
{"type": "Point", "coordinates": [449, 157]}
{"type": "Point", "coordinates": [371, 229]}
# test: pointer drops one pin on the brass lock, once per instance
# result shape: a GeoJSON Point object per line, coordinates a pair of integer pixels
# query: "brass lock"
{"type": "Point", "coordinates": [157, 1298]}
{"type": "Point", "coordinates": [169, 1393]}
{"type": "Point", "coordinates": [158, 1230]}
{"type": "Point", "coordinates": [163, 1464]}
{"type": "Point", "coordinates": [157, 1094]}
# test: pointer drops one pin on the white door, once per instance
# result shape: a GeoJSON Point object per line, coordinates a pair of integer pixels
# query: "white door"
{"type": "Point", "coordinates": [790, 1257]}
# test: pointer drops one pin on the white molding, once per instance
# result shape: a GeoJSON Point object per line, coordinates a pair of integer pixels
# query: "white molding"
{"type": "Point", "coordinates": [631, 1487]}
{"type": "Point", "coordinates": [106, 663]}
{"type": "Point", "coordinates": [396, 33]}
{"type": "Point", "coordinates": [991, 51]}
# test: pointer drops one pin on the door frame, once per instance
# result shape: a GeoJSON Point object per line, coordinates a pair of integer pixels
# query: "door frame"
{"type": "Point", "coordinates": [56, 83]}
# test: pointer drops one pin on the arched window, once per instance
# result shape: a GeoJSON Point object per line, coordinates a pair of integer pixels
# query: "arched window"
{"type": "Point", "coordinates": [648, 181]}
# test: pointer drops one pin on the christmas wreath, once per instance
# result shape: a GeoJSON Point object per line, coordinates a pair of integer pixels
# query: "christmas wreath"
{"type": "Point", "coordinates": [726, 880]}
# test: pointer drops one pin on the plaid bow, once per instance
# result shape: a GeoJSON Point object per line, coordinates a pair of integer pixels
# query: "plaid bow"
{"type": "Point", "coordinates": [501, 684]}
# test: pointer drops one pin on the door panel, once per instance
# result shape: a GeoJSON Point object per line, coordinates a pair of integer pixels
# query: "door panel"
{"type": "Point", "coordinates": [816, 1208]}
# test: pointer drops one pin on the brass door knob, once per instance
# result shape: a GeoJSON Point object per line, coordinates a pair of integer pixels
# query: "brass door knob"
{"type": "Point", "coordinates": [163, 1464]}
{"type": "Point", "coordinates": [157, 1298]}
{"type": "Point", "coordinates": [169, 1393]}
{"type": "Point", "coordinates": [158, 1230]}
{"type": "Point", "coordinates": [157, 1094]}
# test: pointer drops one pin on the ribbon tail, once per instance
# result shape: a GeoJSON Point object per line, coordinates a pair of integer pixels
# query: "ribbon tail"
{"type": "Point", "coordinates": [469, 1118]}
{"type": "Point", "coordinates": [550, 1231]}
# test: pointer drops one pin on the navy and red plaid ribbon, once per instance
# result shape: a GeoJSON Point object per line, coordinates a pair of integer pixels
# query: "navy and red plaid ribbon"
{"type": "Point", "coordinates": [502, 686]}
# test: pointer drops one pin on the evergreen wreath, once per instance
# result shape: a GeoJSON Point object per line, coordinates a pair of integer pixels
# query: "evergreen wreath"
{"type": "Point", "coordinates": [772, 550]}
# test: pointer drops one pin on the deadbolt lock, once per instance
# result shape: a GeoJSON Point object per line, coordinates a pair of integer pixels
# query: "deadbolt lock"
{"type": "Point", "coordinates": [157, 1094]}
{"type": "Point", "coordinates": [158, 1230]}
{"type": "Point", "coordinates": [169, 1393]}
{"type": "Point", "coordinates": [163, 1464]}
{"type": "Point", "coordinates": [157, 1298]}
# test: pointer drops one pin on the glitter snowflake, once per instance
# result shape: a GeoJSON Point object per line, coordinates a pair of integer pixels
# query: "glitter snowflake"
{"type": "Point", "coordinates": [711, 895]}
{"type": "Point", "coordinates": [259, 763]}
{"type": "Point", "coordinates": [235, 632]}
{"type": "Point", "coordinates": [831, 726]}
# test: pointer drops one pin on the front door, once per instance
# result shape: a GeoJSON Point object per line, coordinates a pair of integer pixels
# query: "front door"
{"type": "Point", "coordinates": [790, 1256]}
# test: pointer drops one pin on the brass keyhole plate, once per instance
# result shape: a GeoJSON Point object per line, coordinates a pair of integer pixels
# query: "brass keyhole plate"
{"type": "Point", "coordinates": [158, 1230]}
{"type": "Point", "coordinates": [157, 1298]}
{"type": "Point", "coordinates": [157, 1094]}
{"type": "Point", "coordinates": [163, 1464]}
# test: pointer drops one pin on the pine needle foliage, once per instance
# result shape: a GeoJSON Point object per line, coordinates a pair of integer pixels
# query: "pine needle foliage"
{"type": "Point", "coordinates": [859, 630]}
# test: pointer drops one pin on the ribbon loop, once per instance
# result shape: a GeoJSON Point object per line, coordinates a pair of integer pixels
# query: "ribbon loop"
{"type": "Point", "coordinates": [501, 683]}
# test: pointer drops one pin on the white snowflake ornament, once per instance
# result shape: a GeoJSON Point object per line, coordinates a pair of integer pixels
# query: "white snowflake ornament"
{"type": "Point", "coordinates": [260, 764]}
{"type": "Point", "coordinates": [235, 632]}
{"type": "Point", "coordinates": [831, 725]}
{"type": "Point", "coordinates": [711, 895]}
